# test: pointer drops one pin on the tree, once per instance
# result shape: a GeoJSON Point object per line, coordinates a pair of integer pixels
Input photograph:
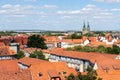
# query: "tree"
{"type": "Point", "coordinates": [37, 54]}
{"type": "Point", "coordinates": [100, 33]}
{"type": "Point", "coordinates": [101, 49]}
{"type": "Point", "coordinates": [70, 77]}
{"type": "Point", "coordinates": [33, 55]}
{"type": "Point", "coordinates": [36, 41]}
{"type": "Point", "coordinates": [109, 50]}
{"type": "Point", "coordinates": [89, 34]}
{"type": "Point", "coordinates": [20, 54]}
{"type": "Point", "coordinates": [78, 48]}
{"type": "Point", "coordinates": [91, 75]}
{"type": "Point", "coordinates": [87, 49]}
{"type": "Point", "coordinates": [116, 49]}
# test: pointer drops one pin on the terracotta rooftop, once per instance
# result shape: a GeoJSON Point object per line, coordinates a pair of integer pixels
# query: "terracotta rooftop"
{"type": "Point", "coordinates": [9, 70]}
{"type": "Point", "coordinates": [75, 41]}
{"type": "Point", "coordinates": [5, 50]}
{"type": "Point", "coordinates": [43, 70]}
{"type": "Point", "coordinates": [105, 60]}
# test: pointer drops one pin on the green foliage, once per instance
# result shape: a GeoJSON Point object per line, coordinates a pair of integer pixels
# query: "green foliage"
{"type": "Point", "coordinates": [78, 48]}
{"type": "Point", "coordinates": [116, 49]}
{"type": "Point", "coordinates": [101, 49]}
{"type": "Point", "coordinates": [7, 33]}
{"type": "Point", "coordinates": [88, 49]}
{"type": "Point", "coordinates": [33, 55]}
{"type": "Point", "coordinates": [70, 77]}
{"type": "Point", "coordinates": [91, 75]}
{"type": "Point", "coordinates": [74, 36]}
{"type": "Point", "coordinates": [36, 41]}
{"type": "Point", "coordinates": [20, 54]}
{"type": "Point", "coordinates": [37, 54]}
{"type": "Point", "coordinates": [88, 34]}
{"type": "Point", "coordinates": [110, 50]}
{"type": "Point", "coordinates": [100, 33]}
{"type": "Point", "coordinates": [68, 49]}
{"type": "Point", "coordinates": [53, 34]}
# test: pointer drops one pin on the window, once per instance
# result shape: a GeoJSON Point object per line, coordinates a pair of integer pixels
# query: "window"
{"type": "Point", "coordinates": [39, 74]}
{"type": "Point", "coordinates": [64, 72]}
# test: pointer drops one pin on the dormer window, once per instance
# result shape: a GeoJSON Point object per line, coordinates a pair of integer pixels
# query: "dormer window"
{"type": "Point", "coordinates": [40, 74]}
{"type": "Point", "coordinates": [64, 72]}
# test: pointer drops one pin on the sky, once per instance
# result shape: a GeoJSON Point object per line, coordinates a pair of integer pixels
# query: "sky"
{"type": "Point", "coordinates": [59, 14]}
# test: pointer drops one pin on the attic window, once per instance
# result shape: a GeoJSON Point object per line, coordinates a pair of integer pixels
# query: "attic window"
{"type": "Point", "coordinates": [64, 72]}
{"type": "Point", "coordinates": [39, 74]}
{"type": "Point", "coordinates": [15, 73]}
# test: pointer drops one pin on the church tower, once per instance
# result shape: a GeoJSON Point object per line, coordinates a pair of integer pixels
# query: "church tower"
{"type": "Point", "coordinates": [86, 29]}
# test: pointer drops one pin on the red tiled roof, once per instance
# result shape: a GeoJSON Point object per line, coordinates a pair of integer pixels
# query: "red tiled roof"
{"type": "Point", "coordinates": [46, 68]}
{"type": "Point", "coordinates": [75, 41]}
{"type": "Point", "coordinates": [102, 59]}
{"type": "Point", "coordinates": [9, 70]}
{"type": "Point", "coordinates": [5, 50]}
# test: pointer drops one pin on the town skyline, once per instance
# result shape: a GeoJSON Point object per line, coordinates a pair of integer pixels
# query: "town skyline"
{"type": "Point", "coordinates": [59, 15]}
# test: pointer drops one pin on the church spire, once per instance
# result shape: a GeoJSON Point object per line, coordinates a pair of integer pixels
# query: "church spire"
{"type": "Point", "coordinates": [88, 26]}
{"type": "Point", "coordinates": [84, 28]}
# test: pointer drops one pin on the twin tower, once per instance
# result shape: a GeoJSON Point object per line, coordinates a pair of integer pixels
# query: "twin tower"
{"type": "Point", "coordinates": [86, 28]}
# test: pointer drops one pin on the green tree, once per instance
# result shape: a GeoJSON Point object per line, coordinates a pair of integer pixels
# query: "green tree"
{"type": "Point", "coordinates": [70, 77]}
{"type": "Point", "coordinates": [91, 75]}
{"type": "Point", "coordinates": [101, 49]}
{"type": "Point", "coordinates": [109, 50]}
{"type": "Point", "coordinates": [87, 49]}
{"type": "Point", "coordinates": [20, 54]}
{"type": "Point", "coordinates": [69, 49]}
{"type": "Point", "coordinates": [37, 54]}
{"type": "Point", "coordinates": [116, 49]}
{"type": "Point", "coordinates": [78, 48]}
{"type": "Point", "coordinates": [88, 34]}
{"type": "Point", "coordinates": [75, 36]}
{"type": "Point", "coordinates": [100, 33]}
{"type": "Point", "coordinates": [32, 55]}
{"type": "Point", "coordinates": [36, 41]}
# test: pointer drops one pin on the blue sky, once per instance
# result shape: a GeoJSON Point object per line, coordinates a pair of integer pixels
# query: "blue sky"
{"type": "Point", "coordinates": [59, 14]}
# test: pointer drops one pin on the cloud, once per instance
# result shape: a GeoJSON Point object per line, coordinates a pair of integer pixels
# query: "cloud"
{"type": "Point", "coordinates": [16, 16]}
{"type": "Point", "coordinates": [69, 12]}
{"type": "Point", "coordinates": [108, 1]}
{"type": "Point", "coordinates": [86, 10]}
{"type": "Point", "coordinates": [49, 7]}
{"type": "Point", "coordinates": [45, 15]}
{"type": "Point", "coordinates": [89, 12]}
{"type": "Point", "coordinates": [26, 0]}
{"type": "Point", "coordinates": [17, 6]}
{"type": "Point", "coordinates": [115, 9]}
{"type": "Point", "coordinates": [67, 17]}
{"type": "Point", "coordinates": [17, 9]}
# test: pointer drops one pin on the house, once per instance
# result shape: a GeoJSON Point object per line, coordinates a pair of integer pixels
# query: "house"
{"type": "Point", "coordinates": [106, 65]}
{"type": "Point", "coordinates": [51, 41]}
{"type": "Point", "coordinates": [45, 70]}
{"type": "Point", "coordinates": [65, 43]}
{"type": "Point", "coordinates": [6, 53]}
{"type": "Point", "coordinates": [9, 70]}
{"type": "Point", "coordinates": [28, 51]}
